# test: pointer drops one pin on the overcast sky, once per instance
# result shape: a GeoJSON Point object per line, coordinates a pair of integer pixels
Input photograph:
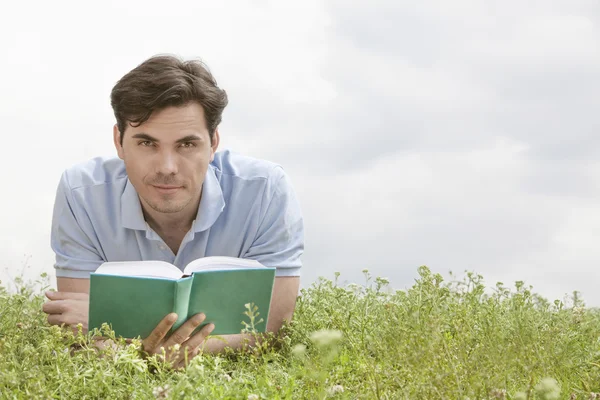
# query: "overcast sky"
{"type": "Point", "coordinates": [461, 135]}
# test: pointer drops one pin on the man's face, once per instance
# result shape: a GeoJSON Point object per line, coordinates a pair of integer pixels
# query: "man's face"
{"type": "Point", "coordinates": [166, 158]}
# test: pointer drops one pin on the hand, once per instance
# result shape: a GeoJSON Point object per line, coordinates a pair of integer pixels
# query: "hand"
{"type": "Point", "coordinates": [179, 343]}
{"type": "Point", "coordinates": [68, 308]}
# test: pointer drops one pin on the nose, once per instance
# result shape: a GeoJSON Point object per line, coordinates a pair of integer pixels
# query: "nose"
{"type": "Point", "coordinates": [167, 163]}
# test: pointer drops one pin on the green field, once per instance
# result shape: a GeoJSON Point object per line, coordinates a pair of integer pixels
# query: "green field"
{"type": "Point", "coordinates": [437, 340]}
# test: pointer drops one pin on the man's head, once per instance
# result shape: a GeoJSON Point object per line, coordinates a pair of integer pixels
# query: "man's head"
{"type": "Point", "coordinates": [167, 113]}
{"type": "Point", "coordinates": [165, 81]}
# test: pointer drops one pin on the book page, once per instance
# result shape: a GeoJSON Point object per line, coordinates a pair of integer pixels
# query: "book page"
{"type": "Point", "coordinates": [150, 269]}
{"type": "Point", "coordinates": [220, 263]}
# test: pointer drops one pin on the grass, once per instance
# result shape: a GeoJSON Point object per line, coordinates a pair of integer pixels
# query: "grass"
{"type": "Point", "coordinates": [437, 340]}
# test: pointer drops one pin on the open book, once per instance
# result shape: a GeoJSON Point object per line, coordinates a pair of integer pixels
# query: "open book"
{"type": "Point", "coordinates": [134, 296]}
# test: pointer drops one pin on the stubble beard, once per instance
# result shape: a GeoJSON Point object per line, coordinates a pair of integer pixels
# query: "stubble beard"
{"type": "Point", "coordinates": [168, 206]}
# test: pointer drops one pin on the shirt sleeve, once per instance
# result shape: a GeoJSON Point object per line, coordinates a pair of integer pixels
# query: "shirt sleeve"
{"type": "Point", "coordinates": [279, 240]}
{"type": "Point", "coordinates": [76, 254]}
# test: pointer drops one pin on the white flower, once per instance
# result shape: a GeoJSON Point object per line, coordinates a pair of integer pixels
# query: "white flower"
{"type": "Point", "coordinates": [498, 393]}
{"type": "Point", "coordinates": [161, 392]}
{"type": "Point", "coordinates": [253, 397]}
{"type": "Point", "coordinates": [336, 389]}
{"type": "Point", "coordinates": [325, 337]}
{"type": "Point", "coordinates": [226, 377]}
{"type": "Point", "coordinates": [520, 396]}
{"type": "Point", "coordinates": [299, 350]}
{"type": "Point", "coordinates": [548, 389]}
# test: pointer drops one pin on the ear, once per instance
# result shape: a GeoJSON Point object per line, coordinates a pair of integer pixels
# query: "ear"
{"type": "Point", "coordinates": [117, 141]}
{"type": "Point", "coordinates": [214, 145]}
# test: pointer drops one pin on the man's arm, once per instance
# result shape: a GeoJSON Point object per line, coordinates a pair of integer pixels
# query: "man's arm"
{"type": "Point", "coordinates": [77, 254]}
{"type": "Point", "coordinates": [283, 302]}
{"type": "Point", "coordinates": [69, 305]}
{"type": "Point", "coordinates": [76, 285]}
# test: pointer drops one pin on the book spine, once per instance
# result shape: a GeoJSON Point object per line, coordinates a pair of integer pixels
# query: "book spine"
{"type": "Point", "coordinates": [181, 301]}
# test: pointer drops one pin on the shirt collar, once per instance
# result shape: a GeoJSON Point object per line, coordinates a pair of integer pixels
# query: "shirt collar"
{"type": "Point", "coordinates": [132, 216]}
{"type": "Point", "coordinates": [211, 205]}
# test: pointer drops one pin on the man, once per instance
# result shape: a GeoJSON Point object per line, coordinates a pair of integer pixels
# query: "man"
{"type": "Point", "coordinates": [170, 196]}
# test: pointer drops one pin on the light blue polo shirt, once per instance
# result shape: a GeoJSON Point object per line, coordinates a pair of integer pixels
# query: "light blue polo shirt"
{"type": "Point", "coordinates": [248, 209]}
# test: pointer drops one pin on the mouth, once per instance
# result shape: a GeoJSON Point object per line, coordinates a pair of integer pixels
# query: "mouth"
{"type": "Point", "coordinates": [166, 189]}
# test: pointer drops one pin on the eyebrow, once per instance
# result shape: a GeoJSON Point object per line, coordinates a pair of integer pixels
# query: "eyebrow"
{"type": "Point", "coordinates": [145, 136]}
{"type": "Point", "coordinates": [188, 138]}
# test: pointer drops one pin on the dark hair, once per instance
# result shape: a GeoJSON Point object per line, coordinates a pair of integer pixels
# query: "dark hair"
{"type": "Point", "coordinates": [163, 81]}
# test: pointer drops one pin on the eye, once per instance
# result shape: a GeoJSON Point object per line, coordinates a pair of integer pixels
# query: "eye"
{"type": "Point", "coordinates": [145, 143]}
{"type": "Point", "coordinates": [188, 145]}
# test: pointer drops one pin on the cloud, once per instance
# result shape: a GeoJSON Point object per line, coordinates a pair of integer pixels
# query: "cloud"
{"type": "Point", "coordinates": [461, 135]}
{"type": "Point", "coordinates": [492, 111]}
{"type": "Point", "coordinates": [415, 77]}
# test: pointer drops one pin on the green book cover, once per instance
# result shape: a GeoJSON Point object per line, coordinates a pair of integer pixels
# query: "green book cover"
{"type": "Point", "coordinates": [134, 296]}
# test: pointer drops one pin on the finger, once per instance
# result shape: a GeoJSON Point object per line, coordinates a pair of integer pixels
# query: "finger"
{"type": "Point", "coordinates": [56, 319]}
{"type": "Point", "coordinates": [199, 337]}
{"type": "Point", "coordinates": [64, 318]}
{"type": "Point", "coordinates": [66, 295]}
{"type": "Point", "coordinates": [185, 330]}
{"type": "Point", "coordinates": [55, 307]}
{"type": "Point", "coordinates": [60, 306]}
{"type": "Point", "coordinates": [150, 343]}
{"type": "Point", "coordinates": [193, 344]}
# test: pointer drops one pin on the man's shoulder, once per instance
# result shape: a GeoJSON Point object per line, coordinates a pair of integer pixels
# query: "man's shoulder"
{"type": "Point", "coordinates": [100, 170]}
{"type": "Point", "coordinates": [243, 167]}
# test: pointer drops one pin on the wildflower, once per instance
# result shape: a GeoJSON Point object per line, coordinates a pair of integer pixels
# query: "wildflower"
{"type": "Point", "coordinates": [381, 282]}
{"type": "Point", "coordinates": [226, 377]}
{"type": "Point", "coordinates": [299, 350]}
{"type": "Point", "coordinates": [336, 389]}
{"type": "Point", "coordinates": [578, 313]}
{"type": "Point", "coordinates": [356, 289]}
{"type": "Point", "coordinates": [498, 394]}
{"type": "Point", "coordinates": [520, 396]}
{"type": "Point", "coordinates": [548, 389]}
{"type": "Point", "coordinates": [253, 396]}
{"type": "Point", "coordinates": [325, 337]}
{"type": "Point", "coordinates": [161, 392]}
